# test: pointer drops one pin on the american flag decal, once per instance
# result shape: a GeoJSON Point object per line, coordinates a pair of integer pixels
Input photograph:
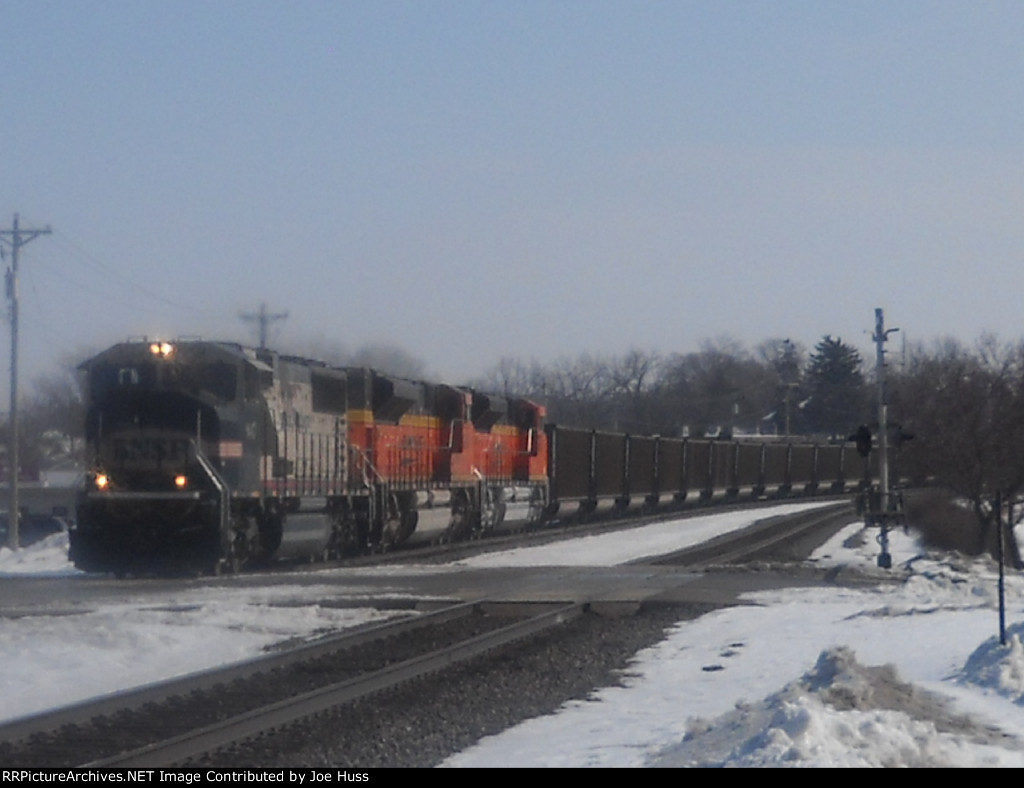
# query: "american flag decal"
{"type": "Point", "coordinates": [229, 449]}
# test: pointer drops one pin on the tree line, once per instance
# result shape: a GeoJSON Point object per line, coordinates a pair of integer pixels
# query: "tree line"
{"type": "Point", "coordinates": [964, 407]}
{"type": "Point", "coordinates": [723, 389]}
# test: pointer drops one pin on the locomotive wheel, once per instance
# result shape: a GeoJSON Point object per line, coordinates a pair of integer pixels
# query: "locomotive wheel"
{"type": "Point", "coordinates": [399, 520]}
{"type": "Point", "coordinates": [493, 513]}
{"type": "Point", "coordinates": [391, 524]}
{"type": "Point", "coordinates": [465, 516]}
{"type": "Point", "coordinates": [245, 544]}
{"type": "Point", "coordinates": [344, 536]}
{"type": "Point", "coordinates": [407, 514]}
{"type": "Point", "coordinates": [352, 535]}
{"type": "Point", "coordinates": [540, 509]}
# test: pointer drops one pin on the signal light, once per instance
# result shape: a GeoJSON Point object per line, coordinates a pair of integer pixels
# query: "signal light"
{"type": "Point", "coordinates": [899, 437]}
{"type": "Point", "coordinates": [102, 481]}
{"type": "Point", "coordinates": [862, 437]}
{"type": "Point", "coordinates": [181, 481]}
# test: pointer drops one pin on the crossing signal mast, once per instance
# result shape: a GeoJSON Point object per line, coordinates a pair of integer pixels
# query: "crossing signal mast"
{"type": "Point", "coordinates": [885, 510]}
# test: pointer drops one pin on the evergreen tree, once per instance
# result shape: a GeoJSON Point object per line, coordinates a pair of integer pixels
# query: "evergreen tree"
{"type": "Point", "coordinates": [835, 383]}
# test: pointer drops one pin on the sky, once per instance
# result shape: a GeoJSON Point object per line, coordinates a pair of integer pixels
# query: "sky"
{"type": "Point", "coordinates": [529, 179]}
{"type": "Point", "coordinates": [750, 685]}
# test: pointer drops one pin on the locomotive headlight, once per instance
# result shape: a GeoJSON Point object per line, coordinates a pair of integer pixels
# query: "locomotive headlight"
{"type": "Point", "coordinates": [161, 349]}
{"type": "Point", "coordinates": [181, 481]}
{"type": "Point", "coordinates": [102, 481]}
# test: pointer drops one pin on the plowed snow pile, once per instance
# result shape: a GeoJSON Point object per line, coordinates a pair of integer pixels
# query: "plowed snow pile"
{"type": "Point", "coordinates": [841, 713]}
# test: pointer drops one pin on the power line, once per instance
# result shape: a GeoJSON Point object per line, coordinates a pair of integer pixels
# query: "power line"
{"type": "Point", "coordinates": [122, 279]}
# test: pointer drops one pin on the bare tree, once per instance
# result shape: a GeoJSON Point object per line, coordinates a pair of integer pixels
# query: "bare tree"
{"type": "Point", "coordinates": [786, 359]}
{"type": "Point", "coordinates": [721, 388]}
{"type": "Point", "coordinates": [631, 378]}
{"type": "Point", "coordinates": [965, 409]}
{"type": "Point", "coordinates": [512, 377]}
{"type": "Point", "coordinates": [52, 422]}
{"type": "Point", "coordinates": [579, 391]}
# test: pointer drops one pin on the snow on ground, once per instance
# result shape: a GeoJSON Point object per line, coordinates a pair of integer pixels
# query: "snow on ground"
{"type": "Point", "coordinates": [908, 674]}
{"type": "Point", "coordinates": [619, 548]}
{"type": "Point", "coordinates": [54, 660]}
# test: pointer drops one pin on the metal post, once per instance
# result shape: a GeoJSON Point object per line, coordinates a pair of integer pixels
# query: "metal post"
{"type": "Point", "coordinates": [884, 504]}
{"type": "Point", "coordinates": [1002, 571]}
{"type": "Point", "coordinates": [883, 431]}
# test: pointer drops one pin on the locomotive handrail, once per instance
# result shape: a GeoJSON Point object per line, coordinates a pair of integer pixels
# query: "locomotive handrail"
{"type": "Point", "coordinates": [222, 489]}
{"type": "Point", "coordinates": [453, 446]}
{"type": "Point", "coordinates": [367, 463]}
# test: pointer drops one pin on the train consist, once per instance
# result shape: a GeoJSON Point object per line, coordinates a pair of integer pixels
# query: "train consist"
{"type": "Point", "coordinates": [209, 456]}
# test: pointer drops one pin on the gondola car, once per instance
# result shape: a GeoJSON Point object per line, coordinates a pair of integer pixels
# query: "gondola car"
{"type": "Point", "coordinates": [590, 471]}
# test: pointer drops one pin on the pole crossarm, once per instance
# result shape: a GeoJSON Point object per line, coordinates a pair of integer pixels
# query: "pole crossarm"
{"type": "Point", "coordinates": [263, 319]}
{"type": "Point", "coordinates": [19, 237]}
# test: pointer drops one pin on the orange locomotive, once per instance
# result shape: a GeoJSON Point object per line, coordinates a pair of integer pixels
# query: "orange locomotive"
{"type": "Point", "coordinates": [206, 455]}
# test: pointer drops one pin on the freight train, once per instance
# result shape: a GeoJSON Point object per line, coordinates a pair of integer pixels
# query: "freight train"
{"type": "Point", "coordinates": [211, 456]}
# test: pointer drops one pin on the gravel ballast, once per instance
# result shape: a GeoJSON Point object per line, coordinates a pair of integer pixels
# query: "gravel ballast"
{"type": "Point", "coordinates": [427, 720]}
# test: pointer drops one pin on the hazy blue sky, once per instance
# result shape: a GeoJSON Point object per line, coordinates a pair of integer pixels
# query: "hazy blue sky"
{"type": "Point", "coordinates": [478, 179]}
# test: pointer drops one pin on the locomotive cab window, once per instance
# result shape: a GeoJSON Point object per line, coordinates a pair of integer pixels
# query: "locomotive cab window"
{"type": "Point", "coordinates": [220, 379]}
{"type": "Point", "coordinates": [217, 379]}
{"type": "Point", "coordinates": [105, 378]}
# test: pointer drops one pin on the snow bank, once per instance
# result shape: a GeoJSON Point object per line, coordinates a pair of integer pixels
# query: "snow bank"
{"type": "Point", "coordinates": [840, 714]}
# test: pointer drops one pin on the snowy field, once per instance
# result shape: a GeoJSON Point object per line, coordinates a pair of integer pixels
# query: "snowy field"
{"type": "Point", "coordinates": [905, 675]}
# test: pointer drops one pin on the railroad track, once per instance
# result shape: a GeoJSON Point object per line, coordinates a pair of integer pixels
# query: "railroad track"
{"type": "Point", "coordinates": [204, 718]}
{"type": "Point", "coordinates": [185, 719]}
{"type": "Point", "coordinates": [573, 528]}
{"type": "Point", "coordinates": [768, 538]}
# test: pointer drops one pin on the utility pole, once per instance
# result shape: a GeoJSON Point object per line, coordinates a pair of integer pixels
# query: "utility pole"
{"type": "Point", "coordinates": [264, 320]}
{"type": "Point", "coordinates": [790, 368]}
{"type": "Point", "coordinates": [16, 238]}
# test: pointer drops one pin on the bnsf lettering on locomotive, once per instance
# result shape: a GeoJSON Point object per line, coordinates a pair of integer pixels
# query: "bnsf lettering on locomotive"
{"type": "Point", "coordinates": [412, 442]}
{"type": "Point", "coordinates": [149, 451]}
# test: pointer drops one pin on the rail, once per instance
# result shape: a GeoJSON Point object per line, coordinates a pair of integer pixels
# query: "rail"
{"type": "Point", "coordinates": [259, 721]}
